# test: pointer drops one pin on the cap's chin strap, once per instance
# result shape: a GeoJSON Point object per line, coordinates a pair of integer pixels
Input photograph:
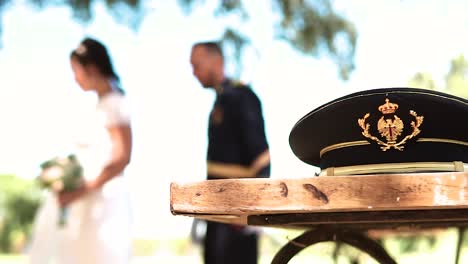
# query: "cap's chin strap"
{"type": "Point", "coordinates": [389, 168]}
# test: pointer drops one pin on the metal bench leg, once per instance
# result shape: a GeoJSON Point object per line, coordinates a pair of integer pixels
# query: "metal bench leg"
{"type": "Point", "coordinates": [325, 234]}
{"type": "Point", "coordinates": [336, 253]}
{"type": "Point", "coordinates": [461, 233]}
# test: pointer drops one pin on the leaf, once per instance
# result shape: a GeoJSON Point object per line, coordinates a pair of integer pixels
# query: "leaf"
{"type": "Point", "coordinates": [312, 27]}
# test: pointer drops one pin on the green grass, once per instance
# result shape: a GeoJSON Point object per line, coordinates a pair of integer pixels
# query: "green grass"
{"type": "Point", "coordinates": [182, 251]}
{"type": "Point", "coordinates": [12, 259]}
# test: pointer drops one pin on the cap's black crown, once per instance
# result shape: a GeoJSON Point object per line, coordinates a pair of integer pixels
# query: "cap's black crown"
{"type": "Point", "coordinates": [384, 126]}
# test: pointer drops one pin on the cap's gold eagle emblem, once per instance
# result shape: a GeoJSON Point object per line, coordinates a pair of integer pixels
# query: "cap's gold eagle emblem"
{"type": "Point", "coordinates": [390, 127]}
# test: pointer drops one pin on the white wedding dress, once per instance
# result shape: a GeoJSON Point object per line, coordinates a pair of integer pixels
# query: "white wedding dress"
{"type": "Point", "coordinates": [98, 226]}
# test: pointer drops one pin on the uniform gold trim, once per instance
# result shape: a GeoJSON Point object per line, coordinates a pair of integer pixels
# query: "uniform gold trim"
{"type": "Point", "coordinates": [410, 167]}
{"type": "Point", "coordinates": [364, 142]}
{"type": "Point", "coordinates": [229, 170]}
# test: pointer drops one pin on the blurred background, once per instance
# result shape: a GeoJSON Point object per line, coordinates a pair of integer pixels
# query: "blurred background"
{"type": "Point", "coordinates": [296, 54]}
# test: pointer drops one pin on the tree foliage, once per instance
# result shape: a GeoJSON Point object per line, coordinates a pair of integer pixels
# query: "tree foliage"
{"type": "Point", "coordinates": [311, 26]}
{"type": "Point", "coordinates": [423, 80]}
{"type": "Point", "coordinates": [19, 200]}
{"type": "Point", "coordinates": [314, 27]}
{"type": "Point", "coordinates": [455, 82]}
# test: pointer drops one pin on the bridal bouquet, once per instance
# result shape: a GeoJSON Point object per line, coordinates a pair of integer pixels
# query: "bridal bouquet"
{"type": "Point", "coordinates": [61, 174]}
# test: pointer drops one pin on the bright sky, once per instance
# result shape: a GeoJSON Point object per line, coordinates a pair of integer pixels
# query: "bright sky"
{"type": "Point", "coordinates": [39, 99]}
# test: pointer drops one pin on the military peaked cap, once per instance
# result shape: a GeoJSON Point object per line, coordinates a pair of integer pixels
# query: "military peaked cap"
{"type": "Point", "coordinates": [388, 130]}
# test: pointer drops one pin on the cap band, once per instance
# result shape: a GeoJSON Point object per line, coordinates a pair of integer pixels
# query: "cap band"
{"type": "Point", "coordinates": [410, 167]}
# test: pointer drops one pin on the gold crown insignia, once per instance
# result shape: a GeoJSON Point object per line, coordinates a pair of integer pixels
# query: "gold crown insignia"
{"type": "Point", "coordinates": [390, 127]}
{"type": "Point", "coordinates": [388, 108]}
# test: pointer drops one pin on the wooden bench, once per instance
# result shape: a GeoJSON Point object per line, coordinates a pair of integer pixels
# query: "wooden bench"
{"type": "Point", "coordinates": [331, 208]}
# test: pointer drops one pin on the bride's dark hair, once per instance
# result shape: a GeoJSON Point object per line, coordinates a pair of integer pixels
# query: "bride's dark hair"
{"type": "Point", "coordinates": [91, 51]}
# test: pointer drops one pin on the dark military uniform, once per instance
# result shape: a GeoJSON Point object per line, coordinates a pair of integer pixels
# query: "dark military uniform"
{"type": "Point", "coordinates": [236, 137]}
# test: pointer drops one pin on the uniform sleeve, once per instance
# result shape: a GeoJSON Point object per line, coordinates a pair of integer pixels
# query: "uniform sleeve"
{"type": "Point", "coordinates": [252, 126]}
{"type": "Point", "coordinates": [115, 111]}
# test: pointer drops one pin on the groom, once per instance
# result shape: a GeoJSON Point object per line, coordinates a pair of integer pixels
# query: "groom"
{"type": "Point", "coordinates": [237, 148]}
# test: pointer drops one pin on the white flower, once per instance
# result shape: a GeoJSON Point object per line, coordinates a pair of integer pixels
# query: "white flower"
{"type": "Point", "coordinates": [57, 186]}
{"type": "Point", "coordinates": [63, 161]}
{"type": "Point", "coordinates": [51, 174]}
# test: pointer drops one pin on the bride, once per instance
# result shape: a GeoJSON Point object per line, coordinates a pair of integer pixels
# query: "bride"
{"type": "Point", "coordinates": [98, 220]}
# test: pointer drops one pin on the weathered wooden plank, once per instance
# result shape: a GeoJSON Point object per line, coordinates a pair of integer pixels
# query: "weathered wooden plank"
{"type": "Point", "coordinates": [322, 194]}
{"type": "Point", "coordinates": [227, 219]}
